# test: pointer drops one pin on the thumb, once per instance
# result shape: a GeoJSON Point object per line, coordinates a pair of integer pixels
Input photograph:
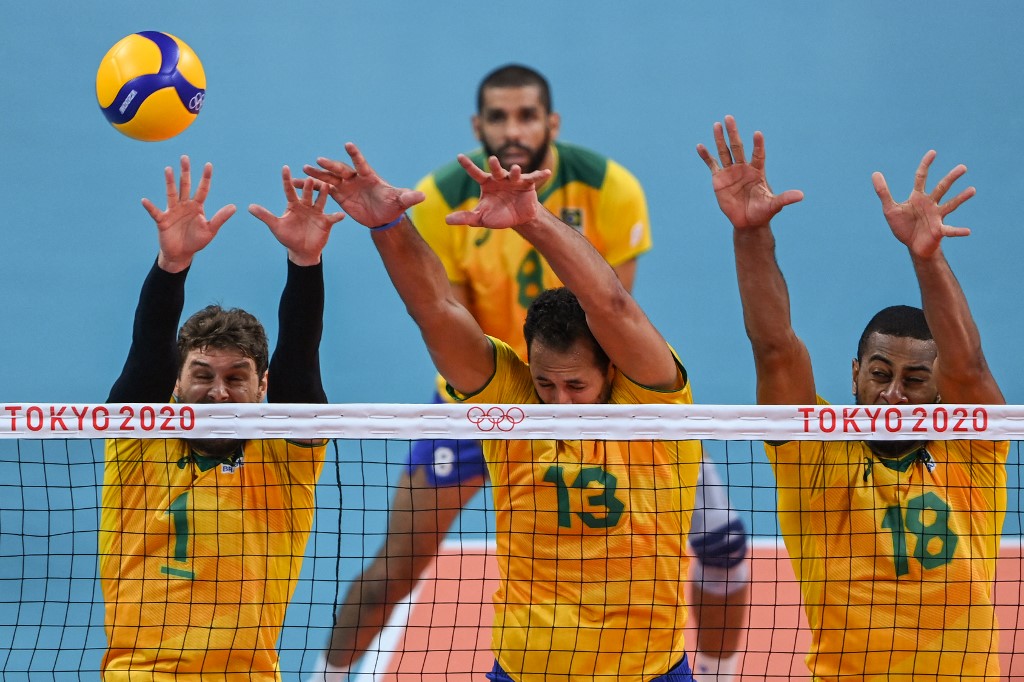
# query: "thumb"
{"type": "Point", "coordinates": [263, 214]}
{"type": "Point", "coordinates": [462, 218]}
{"type": "Point", "coordinates": [780, 201]}
{"type": "Point", "coordinates": [881, 189]}
{"type": "Point", "coordinates": [409, 198]}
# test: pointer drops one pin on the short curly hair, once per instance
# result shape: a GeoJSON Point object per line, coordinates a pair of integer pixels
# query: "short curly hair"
{"type": "Point", "coordinates": [903, 321]}
{"type": "Point", "coordinates": [234, 328]}
{"type": "Point", "coordinates": [556, 319]}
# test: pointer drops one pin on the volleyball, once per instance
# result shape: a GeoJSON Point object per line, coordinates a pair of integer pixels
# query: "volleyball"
{"type": "Point", "coordinates": [150, 85]}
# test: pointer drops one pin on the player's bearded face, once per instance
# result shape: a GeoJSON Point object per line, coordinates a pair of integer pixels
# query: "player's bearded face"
{"type": "Point", "coordinates": [515, 126]}
{"type": "Point", "coordinates": [895, 370]}
{"type": "Point", "coordinates": [514, 153]}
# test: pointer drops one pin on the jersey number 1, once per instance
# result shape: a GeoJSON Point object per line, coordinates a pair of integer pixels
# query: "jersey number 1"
{"type": "Point", "coordinates": [178, 511]}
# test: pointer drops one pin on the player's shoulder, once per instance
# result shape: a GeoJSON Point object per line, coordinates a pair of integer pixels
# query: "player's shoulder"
{"type": "Point", "coordinates": [591, 168]}
{"type": "Point", "coordinates": [579, 164]}
{"type": "Point", "coordinates": [453, 183]}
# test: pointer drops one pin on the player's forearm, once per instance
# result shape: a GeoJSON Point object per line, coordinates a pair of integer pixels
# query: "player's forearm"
{"type": "Point", "coordinates": [763, 291]}
{"type": "Point", "coordinates": [151, 368]}
{"type": "Point", "coordinates": [784, 374]}
{"type": "Point", "coordinates": [295, 365]}
{"type": "Point", "coordinates": [460, 350]}
{"type": "Point", "coordinates": [416, 272]}
{"type": "Point", "coordinates": [949, 317]}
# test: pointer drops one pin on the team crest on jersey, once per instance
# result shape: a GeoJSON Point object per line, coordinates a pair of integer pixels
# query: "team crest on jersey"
{"type": "Point", "coordinates": [927, 460]}
{"type": "Point", "coordinates": [232, 466]}
{"type": "Point", "coordinates": [573, 217]}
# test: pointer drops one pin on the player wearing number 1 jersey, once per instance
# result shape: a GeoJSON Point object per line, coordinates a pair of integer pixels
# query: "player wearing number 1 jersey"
{"type": "Point", "coordinates": [590, 535]}
{"type": "Point", "coordinates": [894, 542]}
{"type": "Point", "coordinates": [201, 541]}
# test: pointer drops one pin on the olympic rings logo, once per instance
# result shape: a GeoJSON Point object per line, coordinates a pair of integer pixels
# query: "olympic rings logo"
{"type": "Point", "coordinates": [196, 103]}
{"type": "Point", "coordinates": [495, 418]}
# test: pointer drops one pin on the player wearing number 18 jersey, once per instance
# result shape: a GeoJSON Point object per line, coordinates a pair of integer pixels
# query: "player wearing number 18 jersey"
{"type": "Point", "coordinates": [895, 556]}
{"type": "Point", "coordinates": [894, 541]}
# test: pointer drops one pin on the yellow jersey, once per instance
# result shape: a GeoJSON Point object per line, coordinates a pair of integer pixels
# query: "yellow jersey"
{"type": "Point", "coordinates": [590, 543]}
{"type": "Point", "coordinates": [199, 557]}
{"type": "Point", "coordinates": [500, 270]}
{"type": "Point", "coordinates": [896, 558]}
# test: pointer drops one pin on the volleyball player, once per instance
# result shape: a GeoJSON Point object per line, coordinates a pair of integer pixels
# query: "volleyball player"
{"type": "Point", "coordinates": [201, 541]}
{"type": "Point", "coordinates": [496, 275]}
{"type": "Point", "coordinates": [894, 542]}
{"type": "Point", "coordinates": [590, 584]}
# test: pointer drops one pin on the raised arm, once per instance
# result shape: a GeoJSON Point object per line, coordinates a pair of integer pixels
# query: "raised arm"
{"type": "Point", "coordinates": [303, 230]}
{"type": "Point", "coordinates": [784, 375]}
{"type": "Point", "coordinates": [961, 373]}
{"type": "Point", "coordinates": [634, 345]}
{"type": "Point", "coordinates": [151, 368]}
{"type": "Point", "coordinates": [459, 348]}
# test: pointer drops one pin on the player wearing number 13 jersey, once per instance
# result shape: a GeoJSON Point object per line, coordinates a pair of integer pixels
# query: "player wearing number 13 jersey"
{"type": "Point", "coordinates": [590, 541]}
{"type": "Point", "coordinates": [496, 275]}
{"type": "Point", "coordinates": [592, 534]}
{"type": "Point", "coordinates": [894, 541]}
{"type": "Point", "coordinates": [201, 541]}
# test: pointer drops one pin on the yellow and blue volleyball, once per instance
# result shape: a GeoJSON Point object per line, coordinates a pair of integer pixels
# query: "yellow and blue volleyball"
{"type": "Point", "coordinates": [150, 85]}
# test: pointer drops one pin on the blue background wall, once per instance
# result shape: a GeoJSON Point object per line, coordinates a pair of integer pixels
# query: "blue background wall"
{"type": "Point", "coordinates": [840, 90]}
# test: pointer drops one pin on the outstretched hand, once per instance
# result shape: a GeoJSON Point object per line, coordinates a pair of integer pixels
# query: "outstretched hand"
{"type": "Point", "coordinates": [304, 227]}
{"type": "Point", "coordinates": [360, 192]}
{"type": "Point", "coordinates": [507, 197]}
{"type": "Point", "coordinates": [182, 229]}
{"type": "Point", "coordinates": [740, 186]}
{"type": "Point", "coordinates": [918, 221]}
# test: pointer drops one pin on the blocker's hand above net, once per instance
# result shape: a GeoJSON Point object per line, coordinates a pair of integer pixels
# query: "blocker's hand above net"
{"type": "Point", "coordinates": [360, 192]}
{"type": "Point", "coordinates": [182, 228]}
{"type": "Point", "coordinates": [919, 222]}
{"type": "Point", "coordinates": [507, 197]}
{"type": "Point", "coordinates": [740, 186]}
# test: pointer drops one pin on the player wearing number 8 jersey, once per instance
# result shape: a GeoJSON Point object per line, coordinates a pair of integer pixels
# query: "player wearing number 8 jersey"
{"type": "Point", "coordinates": [590, 534]}
{"type": "Point", "coordinates": [201, 541]}
{"type": "Point", "coordinates": [501, 273]}
{"type": "Point", "coordinates": [894, 542]}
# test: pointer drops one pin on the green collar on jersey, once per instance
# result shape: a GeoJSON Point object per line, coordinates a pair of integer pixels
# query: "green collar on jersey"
{"type": "Point", "coordinates": [901, 464]}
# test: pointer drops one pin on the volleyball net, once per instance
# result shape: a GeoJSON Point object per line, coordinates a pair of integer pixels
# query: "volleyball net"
{"type": "Point", "coordinates": [56, 515]}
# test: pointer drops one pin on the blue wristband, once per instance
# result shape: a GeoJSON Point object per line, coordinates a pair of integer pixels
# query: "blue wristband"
{"type": "Point", "coordinates": [388, 226]}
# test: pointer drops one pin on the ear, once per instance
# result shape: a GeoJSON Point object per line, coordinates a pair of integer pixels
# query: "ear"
{"type": "Point", "coordinates": [262, 391]}
{"type": "Point", "coordinates": [554, 124]}
{"type": "Point", "coordinates": [856, 369]}
{"type": "Point", "coordinates": [475, 122]}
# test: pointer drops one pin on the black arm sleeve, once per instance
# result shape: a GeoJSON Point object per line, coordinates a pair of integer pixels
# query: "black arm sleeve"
{"type": "Point", "coordinates": [152, 366]}
{"type": "Point", "coordinates": [295, 366]}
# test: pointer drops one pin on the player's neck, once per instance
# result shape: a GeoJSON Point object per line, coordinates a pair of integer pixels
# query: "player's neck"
{"type": "Point", "coordinates": [550, 162]}
{"type": "Point", "coordinates": [893, 449]}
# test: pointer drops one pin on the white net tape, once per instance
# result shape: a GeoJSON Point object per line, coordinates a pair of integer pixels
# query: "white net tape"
{"type": "Point", "coordinates": [512, 422]}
